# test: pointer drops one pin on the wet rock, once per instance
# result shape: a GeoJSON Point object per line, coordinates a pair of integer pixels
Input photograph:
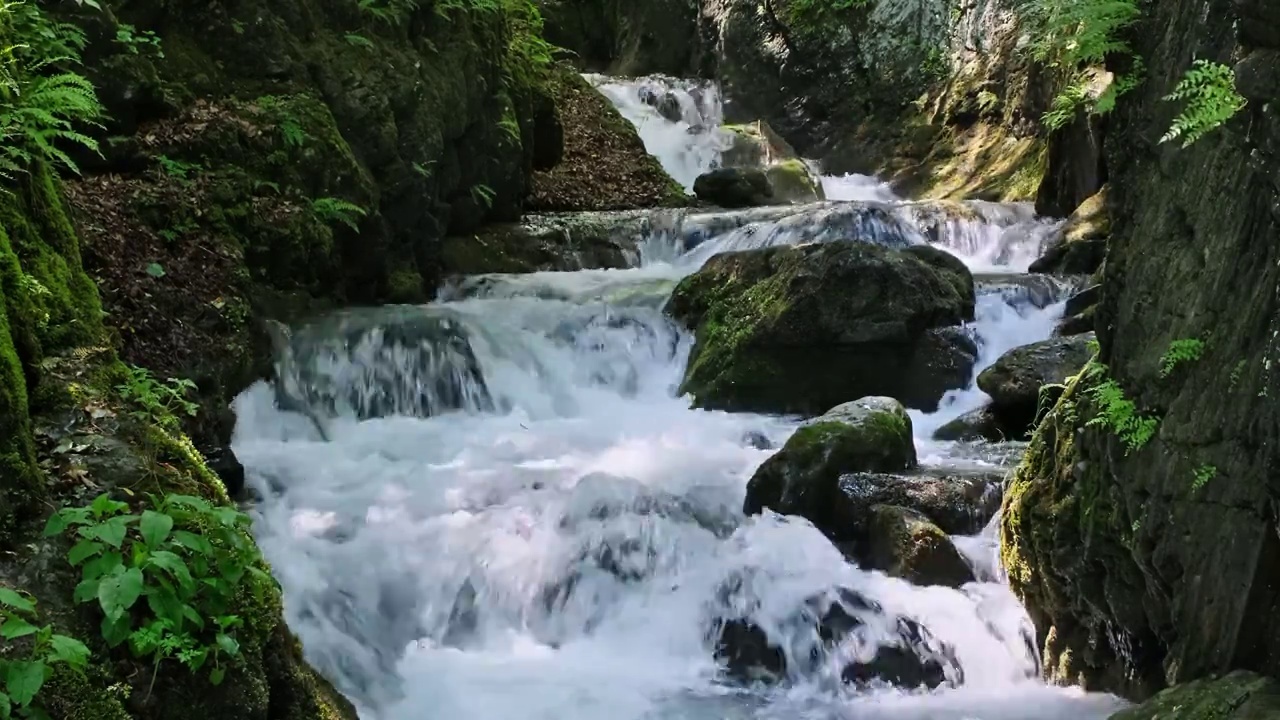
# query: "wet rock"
{"type": "Point", "coordinates": [804, 328]}
{"type": "Point", "coordinates": [755, 145]}
{"type": "Point", "coordinates": [1016, 380]}
{"type": "Point", "coordinates": [665, 102]}
{"type": "Point", "coordinates": [1022, 291]}
{"type": "Point", "coordinates": [959, 503]}
{"type": "Point", "coordinates": [1077, 316]}
{"type": "Point", "coordinates": [567, 242]}
{"type": "Point", "coordinates": [905, 544]}
{"type": "Point", "coordinates": [378, 363]}
{"type": "Point", "coordinates": [1083, 244]}
{"type": "Point", "coordinates": [793, 182]}
{"type": "Point", "coordinates": [757, 440]}
{"type": "Point", "coordinates": [735, 188]}
{"type": "Point", "coordinates": [868, 435]}
{"type": "Point", "coordinates": [1240, 695]}
{"type": "Point", "coordinates": [980, 424]}
{"type": "Point", "coordinates": [227, 467]}
{"type": "Point", "coordinates": [912, 658]}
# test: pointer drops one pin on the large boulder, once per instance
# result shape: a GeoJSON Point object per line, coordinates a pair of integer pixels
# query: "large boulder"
{"type": "Point", "coordinates": [973, 426]}
{"type": "Point", "coordinates": [1241, 695]}
{"type": "Point", "coordinates": [1021, 381]}
{"type": "Point", "coordinates": [804, 328]}
{"type": "Point", "coordinates": [910, 658]}
{"type": "Point", "coordinates": [791, 181]}
{"type": "Point", "coordinates": [735, 188]}
{"type": "Point", "coordinates": [869, 435]}
{"type": "Point", "coordinates": [958, 502]}
{"type": "Point", "coordinates": [905, 544]}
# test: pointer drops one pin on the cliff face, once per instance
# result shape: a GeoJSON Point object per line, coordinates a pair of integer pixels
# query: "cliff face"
{"type": "Point", "coordinates": [1160, 565]}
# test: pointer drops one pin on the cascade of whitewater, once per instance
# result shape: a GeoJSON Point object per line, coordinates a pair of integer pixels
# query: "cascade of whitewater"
{"type": "Point", "coordinates": [567, 541]}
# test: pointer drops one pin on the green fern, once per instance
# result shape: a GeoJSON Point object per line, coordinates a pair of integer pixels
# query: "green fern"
{"type": "Point", "coordinates": [44, 103]}
{"type": "Point", "coordinates": [1203, 475]}
{"type": "Point", "coordinates": [1117, 412]}
{"type": "Point", "coordinates": [1179, 352]}
{"type": "Point", "coordinates": [358, 40]}
{"type": "Point", "coordinates": [483, 194]}
{"type": "Point", "coordinates": [1209, 91]}
{"type": "Point", "coordinates": [331, 209]}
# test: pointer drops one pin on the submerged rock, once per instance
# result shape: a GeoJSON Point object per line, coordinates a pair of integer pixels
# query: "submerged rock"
{"type": "Point", "coordinates": [905, 544]}
{"type": "Point", "coordinates": [1017, 381]}
{"type": "Point", "coordinates": [912, 658]}
{"type": "Point", "coordinates": [980, 424]}
{"type": "Point", "coordinates": [869, 435]}
{"type": "Point", "coordinates": [803, 329]}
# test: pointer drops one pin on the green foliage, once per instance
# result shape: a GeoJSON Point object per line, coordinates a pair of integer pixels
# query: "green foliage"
{"type": "Point", "coordinates": [1117, 412]}
{"type": "Point", "coordinates": [1180, 351]}
{"type": "Point", "coordinates": [22, 674]}
{"type": "Point", "coordinates": [1236, 373]}
{"type": "Point", "coordinates": [43, 100]}
{"type": "Point", "coordinates": [1209, 91]}
{"type": "Point", "coordinates": [291, 130]}
{"type": "Point", "coordinates": [1203, 475]}
{"type": "Point", "coordinates": [157, 402]}
{"type": "Point", "coordinates": [358, 40]}
{"type": "Point", "coordinates": [483, 194]}
{"type": "Point", "coordinates": [391, 12]}
{"type": "Point", "coordinates": [811, 16]}
{"type": "Point", "coordinates": [167, 579]}
{"type": "Point", "coordinates": [178, 169]}
{"type": "Point", "coordinates": [136, 42]}
{"type": "Point", "coordinates": [335, 210]}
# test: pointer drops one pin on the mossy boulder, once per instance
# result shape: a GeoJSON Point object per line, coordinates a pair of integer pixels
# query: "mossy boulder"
{"type": "Point", "coordinates": [805, 328]}
{"type": "Point", "coordinates": [735, 188]}
{"type": "Point", "coordinates": [958, 503]}
{"type": "Point", "coordinates": [1082, 245]}
{"type": "Point", "coordinates": [792, 181]}
{"type": "Point", "coordinates": [979, 424]}
{"type": "Point", "coordinates": [1029, 378]}
{"type": "Point", "coordinates": [1241, 695]}
{"type": "Point", "coordinates": [754, 144]}
{"type": "Point", "coordinates": [905, 544]}
{"type": "Point", "coordinates": [868, 435]}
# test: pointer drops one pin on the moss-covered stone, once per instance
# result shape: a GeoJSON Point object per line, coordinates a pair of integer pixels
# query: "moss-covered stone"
{"type": "Point", "coordinates": [1240, 695]}
{"type": "Point", "coordinates": [1027, 380]}
{"type": "Point", "coordinates": [793, 182]}
{"type": "Point", "coordinates": [1082, 246]}
{"type": "Point", "coordinates": [802, 329]}
{"type": "Point", "coordinates": [904, 544]}
{"type": "Point", "coordinates": [869, 435]}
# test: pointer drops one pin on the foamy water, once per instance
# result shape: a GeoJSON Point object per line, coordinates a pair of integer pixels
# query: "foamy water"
{"type": "Point", "coordinates": [568, 549]}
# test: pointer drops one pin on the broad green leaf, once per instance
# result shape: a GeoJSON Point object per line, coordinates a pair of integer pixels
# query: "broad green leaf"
{"type": "Point", "coordinates": [174, 565]}
{"type": "Point", "coordinates": [193, 615]}
{"type": "Point", "coordinates": [84, 550]}
{"type": "Point", "coordinates": [166, 606]}
{"type": "Point", "coordinates": [190, 501]}
{"type": "Point", "coordinates": [15, 627]}
{"type": "Point", "coordinates": [86, 590]}
{"type": "Point", "coordinates": [155, 528]}
{"type": "Point", "coordinates": [112, 530]}
{"type": "Point", "coordinates": [155, 270]}
{"type": "Point", "coordinates": [24, 681]}
{"type": "Point", "coordinates": [119, 591]}
{"type": "Point", "coordinates": [68, 650]}
{"type": "Point", "coordinates": [228, 644]}
{"type": "Point", "coordinates": [104, 505]}
{"type": "Point", "coordinates": [6, 709]}
{"type": "Point", "coordinates": [193, 542]}
{"type": "Point", "coordinates": [116, 631]}
{"type": "Point", "coordinates": [11, 598]}
{"type": "Point", "coordinates": [217, 674]}
{"type": "Point", "coordinates": [102, 565]}
{"type": "Point", "coordinates": [56, 526]}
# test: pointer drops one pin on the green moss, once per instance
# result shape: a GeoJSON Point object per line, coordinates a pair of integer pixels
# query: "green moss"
{"type": "Point", "coordinates": [792, 181]}
{"type": "Point", "coordinates": [91, 695]}
{"type": "Point", "coordinates": [1240, 695]}
{"type": "Point", "coordinates": [21, 478]}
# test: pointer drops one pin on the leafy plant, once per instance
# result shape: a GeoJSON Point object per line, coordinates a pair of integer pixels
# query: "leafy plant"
{"type": "Point", "coordinates": [21, 677]}
{"type": "Point", "coordinates": [483, 194]}
{"type": "Point", "coordinates": [1209, 91]}
{"type": "Point", "coordinates": [179, 170]}
{"type": "Point", "coordinates": [188, 559]}
{"type": "Point", "coordinates": [1119, 413]}
{"type": "Point", "coordinates": [1203, 475]}
{"type": "Point", "coordinates": [291, 130]}
{"type": "Point", "coordinates": [43, 101]}
{"type": "Point", "coordinates": [358, 40]}
{"type": "Point", "coordinates": [134, 40]}
{"type": "Point", "coordinates": [157, 402]}
{"type": "Point", "coordinates": [335, 210]}
{"type": "Point", "coordinates": [1179, 352]}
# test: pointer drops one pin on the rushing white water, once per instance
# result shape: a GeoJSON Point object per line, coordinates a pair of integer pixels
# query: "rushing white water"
{"type": "Point", "coordinates": [679, 120]}
{"type": "Point", "coordinates": [568, 544]}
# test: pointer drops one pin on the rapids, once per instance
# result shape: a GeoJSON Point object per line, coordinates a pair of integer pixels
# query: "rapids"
{"type": "Point", "coordinates": [559, 545]}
